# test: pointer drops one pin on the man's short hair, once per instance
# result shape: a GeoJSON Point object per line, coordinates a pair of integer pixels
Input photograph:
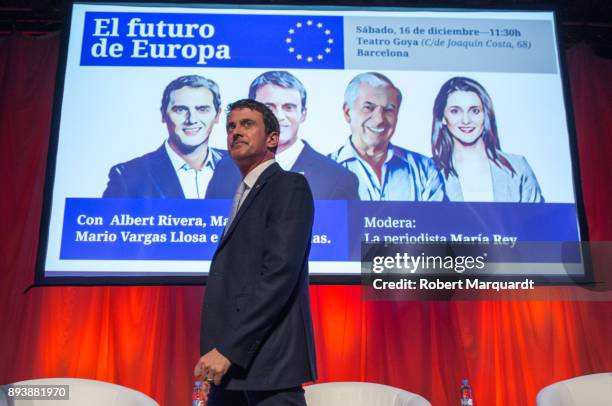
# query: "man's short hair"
{"type": "Point", "coordinates": [194, 81]}
{"type": "Point", "coordinates": [373, 79]}
{"type": "Point", "coordinates": [270, 122]}
{"type": "Point", "coordinates": [278, 78]}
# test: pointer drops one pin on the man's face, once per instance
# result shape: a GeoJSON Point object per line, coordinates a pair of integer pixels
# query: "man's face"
{"type": "Point", "coordinates": [247, 141]}
{"type": "Point", "coordinates": [190, 116]}
{"type": "Point", "coordinates": [286, 104]}
{"type": "Point", "coordinates": [373, 116]}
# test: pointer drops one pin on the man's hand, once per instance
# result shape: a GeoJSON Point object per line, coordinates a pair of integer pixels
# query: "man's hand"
{"type": "Point", "coordinates": [212, 365]}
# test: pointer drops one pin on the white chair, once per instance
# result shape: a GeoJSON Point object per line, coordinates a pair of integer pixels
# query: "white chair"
{"type": "Point", "coordinates": [360, 394]}
{"type": "Point", "coordinates": [86, 392]}
{"type": "Point", "coordinates": [587, 390]}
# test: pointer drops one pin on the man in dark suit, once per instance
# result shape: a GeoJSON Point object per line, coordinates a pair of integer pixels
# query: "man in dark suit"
{"type": "Point", "coordinates": [285, 95]}
{"type": "Point", "coordinates": [183, 166]}
{"type": "Point", "coordinates": [256, 336]}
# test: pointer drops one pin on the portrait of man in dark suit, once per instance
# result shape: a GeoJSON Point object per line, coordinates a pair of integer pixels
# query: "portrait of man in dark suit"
{"type": "Point", "coordinates": [183, 165]}
{"type": "Point", "coordinates": [286, 96]}
{"type": "Point", "coordinates": [256, 340]}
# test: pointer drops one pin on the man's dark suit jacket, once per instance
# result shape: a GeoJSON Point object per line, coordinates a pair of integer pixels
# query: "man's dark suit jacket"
{"type": "Point", "coordinates": [256, 307]}
{"type": "Point", "coordinates": [327, 179]}
{"type": "Point", "coordinates": [151, 175]}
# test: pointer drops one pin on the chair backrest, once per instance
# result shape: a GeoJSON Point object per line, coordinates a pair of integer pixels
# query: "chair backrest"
{"type": "Point", "coordinates": [587, 390]}
{"type": "Point", "coordinates": [360, 393]}
{"type": "Point", "coordinates": [88, 392]}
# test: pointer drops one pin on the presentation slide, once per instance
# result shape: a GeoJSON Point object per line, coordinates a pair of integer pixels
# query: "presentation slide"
{"type": "Point", "coordinates": [411, 126]}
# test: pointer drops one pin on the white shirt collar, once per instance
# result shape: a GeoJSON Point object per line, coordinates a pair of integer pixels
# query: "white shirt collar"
{"type": "Point", "coordinates": [179, 163]}
{"type": "Point", "coordinates": [349, 152]}
{"type": "Point", "coordinates": [252, 176]}
{"type": "Point", "coordinates": [288, 157]}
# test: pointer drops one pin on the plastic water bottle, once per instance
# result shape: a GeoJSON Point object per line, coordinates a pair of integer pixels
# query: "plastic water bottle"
{"type": "Point", "coordinates": [196, 397]}
{"type": "Point", "coordinates": [466, 394]}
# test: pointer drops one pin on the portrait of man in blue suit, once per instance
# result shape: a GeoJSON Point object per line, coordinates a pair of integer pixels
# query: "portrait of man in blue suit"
{"type": "Point", "coordinates": [286, 96]}
{"type": "Point", "coordinates": [184, 164]}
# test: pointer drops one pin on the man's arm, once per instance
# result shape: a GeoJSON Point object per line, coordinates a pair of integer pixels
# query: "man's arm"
{"type": "Point", "coordinates": [433, 189]}
{"type": "Point", "coordinates": [286, 245]}
{"type": "Point", "coordinates": [347, 186]}
{"type": "Point", "coordinates": [225, 180]}
{"type": "Point", "coordinates": [116, 185]}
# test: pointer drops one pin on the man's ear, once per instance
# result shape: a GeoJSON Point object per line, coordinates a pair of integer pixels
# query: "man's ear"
{"type": "Point", "coordinates": [347, 113]}
{"type": "Point", "coordinates": [303, 116]}
{"type": "Point", "coordinates": [272, 140]}
{"type": "Point", "coordinates": [217, 116]}
{"type": "Point", "coordinates": [163, 116]}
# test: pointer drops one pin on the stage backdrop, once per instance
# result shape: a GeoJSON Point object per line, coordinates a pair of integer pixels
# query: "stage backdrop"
{"type": "Point", "coordinates": [147, 338]}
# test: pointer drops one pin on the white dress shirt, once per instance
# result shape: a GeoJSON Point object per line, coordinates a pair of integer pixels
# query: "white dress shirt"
{"type": "Point", "coordinates": [251, 178]}
{"type": "Point", "coordinates": [194, 182]}
{"type": "Point", "coordinates": [288, 157]}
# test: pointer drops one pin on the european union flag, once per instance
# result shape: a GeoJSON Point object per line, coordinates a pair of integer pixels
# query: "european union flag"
{"type": "Point", "coordinates": [311, 41]}
{"type": "Point", "coordinates": [302, 42]}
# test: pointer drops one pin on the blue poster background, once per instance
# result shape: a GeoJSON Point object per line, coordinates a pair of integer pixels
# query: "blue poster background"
{"type": "Point", "coordinates": [526, 221]}
{"type": "Point", "coordinates": [88, 230]}
{"type": "Point", "coordinates": [253, 41]}
{"type": "Point", "coordinates": [339, 227]}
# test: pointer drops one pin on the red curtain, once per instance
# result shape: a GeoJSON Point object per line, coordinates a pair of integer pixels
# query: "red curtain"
{"type": "Point", "coordinates": [147, 338]}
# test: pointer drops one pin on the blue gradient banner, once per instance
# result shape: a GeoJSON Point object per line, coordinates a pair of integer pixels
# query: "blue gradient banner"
{"type": "Point", "coordinates": [174, 229]}
{"type": "Point", "coordinates": [490, 224]}
{"type": "Point", "coordinates": [189, 229]}
{"type": "Point", "coordinates": [212, 40]}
